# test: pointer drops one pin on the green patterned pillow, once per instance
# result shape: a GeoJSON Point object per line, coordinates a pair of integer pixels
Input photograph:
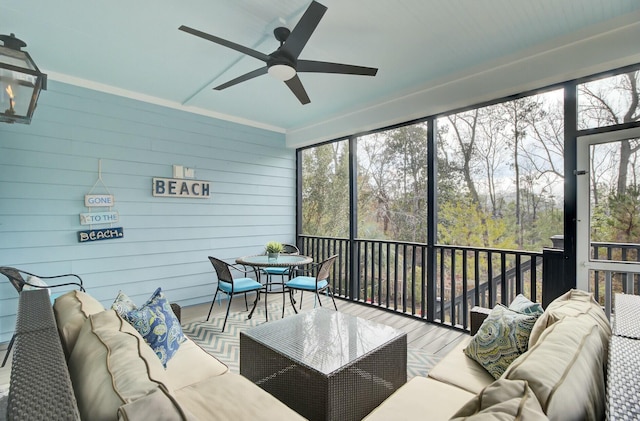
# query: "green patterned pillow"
{"type": "Point", "coordinates": [502, 337]}
{"type": "Point", "coordinates": [123, 304]}
{"type": "Point", "coordinates": [522, 304]}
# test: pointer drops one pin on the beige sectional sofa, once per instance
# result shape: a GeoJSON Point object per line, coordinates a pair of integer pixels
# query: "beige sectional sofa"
{"type": "Point", "coordinates": [116, 375]}
{"type": "Point", "coordinates": [560, 377]}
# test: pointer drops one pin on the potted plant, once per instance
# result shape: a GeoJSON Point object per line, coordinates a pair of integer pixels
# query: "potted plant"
{"type": "Point", "coordinates": [273, 249]}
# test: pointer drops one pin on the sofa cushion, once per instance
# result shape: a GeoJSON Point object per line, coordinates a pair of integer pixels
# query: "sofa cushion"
{"type": "Point", "coordinates": [421, 398]}
{"type": "Point", "coordinates": [565, 370]}
{"type": "Point", "coordinates": [502, 400]}
{"type": "Point", "coordinates": [160, 403]}
{"type": "Point", "coordinates": [191, 364]}
{"type": "Point", "coordinates": [232, 397]}
{"type": "Point", "coordinates": [575, 303]}
{"type": "Point", "coordinates": [158, 325]}
{"type": "Point", "coordinates": [111, 365]}
{"type": "Point", "coordinates": [459, 370]}
{"type": "Point", "coordinates": [502, 337]}
{"type": "Point", "coordinates": [71, 311]}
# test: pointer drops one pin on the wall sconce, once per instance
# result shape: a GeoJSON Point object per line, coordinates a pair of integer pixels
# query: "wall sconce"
{"type": "Point", "coordinates": [20, 82]}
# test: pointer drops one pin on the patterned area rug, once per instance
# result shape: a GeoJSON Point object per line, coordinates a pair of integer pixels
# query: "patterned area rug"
{"type": "Point", "coordinates": [226, 346]}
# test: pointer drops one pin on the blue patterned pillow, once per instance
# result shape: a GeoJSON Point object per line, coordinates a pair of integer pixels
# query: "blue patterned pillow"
{"type": "Point", "coordinates": [522, 304]}
{"type": "Point", "coordinates": [158, 325]}
{"type": "Point", "coordinates": [502, 337]}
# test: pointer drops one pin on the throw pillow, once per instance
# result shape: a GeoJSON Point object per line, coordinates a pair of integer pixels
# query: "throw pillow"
{"type": "Point", "coordinates": [502, 337]}
{"type": "Point", "coordinates": [522, 304]}
{"type": "Point", "coordinates": [123, 304]}
{"type": "Point", "coordinates": [158, 325]}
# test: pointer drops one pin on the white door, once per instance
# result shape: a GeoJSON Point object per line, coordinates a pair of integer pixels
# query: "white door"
{"type": "Point", "coordinates": [608, 214]}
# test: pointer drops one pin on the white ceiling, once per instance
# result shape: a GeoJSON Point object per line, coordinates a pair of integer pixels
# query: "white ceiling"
{"type": "Point", "coordinates": [134, 48]}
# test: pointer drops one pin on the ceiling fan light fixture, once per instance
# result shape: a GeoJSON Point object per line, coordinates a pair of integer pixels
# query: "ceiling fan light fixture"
{"type": "Point", "coordinates": [282, 72]}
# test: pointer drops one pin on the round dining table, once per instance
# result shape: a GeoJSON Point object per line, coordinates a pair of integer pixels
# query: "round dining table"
{"type": "Point", "coordinates": [283, 260]}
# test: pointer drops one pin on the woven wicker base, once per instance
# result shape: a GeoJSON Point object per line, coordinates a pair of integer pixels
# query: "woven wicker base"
{"type": "Point", "coordinates": [295, 359]}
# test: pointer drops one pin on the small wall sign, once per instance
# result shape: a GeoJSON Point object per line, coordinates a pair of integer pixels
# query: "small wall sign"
{"type": "Point", "coordinates": [175, 187]}
{"type": "Point", "coordinates": [99, 218]}
{"type": "Point", "coordinates": [100, 234]}
{"type": "Point", "coordinates": [98, 200]}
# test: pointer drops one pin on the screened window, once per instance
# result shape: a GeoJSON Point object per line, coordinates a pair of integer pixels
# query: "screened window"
{"type": "Point", "coordinates": [392, 184]}
{"type": "Point", "coordinates": [609, 101]}
{"type": "Point", "coordinates": [500, 174]}
{"type": "Point", "coordinates": [325, 190]}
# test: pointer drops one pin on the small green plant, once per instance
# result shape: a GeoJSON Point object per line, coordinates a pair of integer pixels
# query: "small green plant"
{"type": "Point", "coordinates": [274, 247]}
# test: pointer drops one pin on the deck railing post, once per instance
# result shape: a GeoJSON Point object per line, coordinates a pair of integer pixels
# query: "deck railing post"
{"type": "Point", "coordinates": [554, 280]}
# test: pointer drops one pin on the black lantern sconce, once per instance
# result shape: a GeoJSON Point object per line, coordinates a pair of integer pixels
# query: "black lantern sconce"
{"type": "Point", "coordinates": [20, 82]}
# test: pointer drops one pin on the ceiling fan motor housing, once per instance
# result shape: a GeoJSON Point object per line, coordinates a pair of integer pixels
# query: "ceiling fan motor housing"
{"type": "Point", "coordinates": [281, 33]}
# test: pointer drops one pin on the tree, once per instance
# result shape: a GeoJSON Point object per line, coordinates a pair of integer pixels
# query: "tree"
{"type": "Point", "coordinates": [610, 101]}
{"type": "Point", "coordinates": [325, 176]}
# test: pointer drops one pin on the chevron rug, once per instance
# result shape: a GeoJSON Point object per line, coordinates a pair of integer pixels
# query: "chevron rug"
{"type": "Point", "coordinates": [226, 346]}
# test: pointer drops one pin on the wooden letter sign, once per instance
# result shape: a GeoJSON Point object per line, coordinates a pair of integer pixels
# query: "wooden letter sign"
{"type": "Point", "coordinates": [98, 218]}
{"type": "Point", "coordinates": [100, 234]}
{"type": "Point", "coordinates": [98, 200]}
{"type": "Point", "coordinates": [176, 187]}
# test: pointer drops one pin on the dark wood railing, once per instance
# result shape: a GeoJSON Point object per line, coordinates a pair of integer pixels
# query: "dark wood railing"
{"type": "Point", "coordinates": [393, 275]}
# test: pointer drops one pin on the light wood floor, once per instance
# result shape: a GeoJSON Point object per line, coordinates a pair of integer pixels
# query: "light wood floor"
{"type": "Point", "coordinates": [429, 337]}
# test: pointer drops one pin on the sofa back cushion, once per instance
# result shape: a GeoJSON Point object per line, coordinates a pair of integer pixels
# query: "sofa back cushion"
{"type": "Point", "coordinates": [71, 311]}
{"type": "Point", "coordinates": [575, 303]}
{"type": "Point", "coordinates": [565, 370]}
{"type": "Point", "coordinates": [111, 365]}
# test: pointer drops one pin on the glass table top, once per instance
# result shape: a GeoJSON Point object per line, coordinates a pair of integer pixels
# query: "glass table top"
{"type": "Point", "coordinates": [282, 260]}
{"type": "Point", "coordinates": [324, 340]}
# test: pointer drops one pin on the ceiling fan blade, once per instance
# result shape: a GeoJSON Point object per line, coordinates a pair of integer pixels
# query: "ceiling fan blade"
{"type": "Point", "coordinates": [224, 42]}
{"type": "Point", "coordinates": [246, 76]}
{"type": "Point", "coordinates": [311, 66]}
{"type": "Point", "coordinates": [304, 28]}
{"type": "Point", "coordinates": [298, 90]}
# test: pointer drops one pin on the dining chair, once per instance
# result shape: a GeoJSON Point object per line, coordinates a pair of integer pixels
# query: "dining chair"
{"type": "Point", "coordinates": [23, 280]}
{"type": "Point", "coordinates": [282, 271]}
{"type": "Point", "coordinates": [317, 284]}
{"type": "Point", "coordinates": [230, 286]}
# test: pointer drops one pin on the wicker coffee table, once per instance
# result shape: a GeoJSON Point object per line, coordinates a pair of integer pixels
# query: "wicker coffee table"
{"type": "Point", "coordinates": [324, 364]}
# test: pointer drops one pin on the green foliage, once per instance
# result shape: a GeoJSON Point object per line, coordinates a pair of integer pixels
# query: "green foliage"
{"type": "Point", "coordinates": [325, 190]}
{"type": "Point", "coordinates": [624, 219]}
{"type": "Point", "coordinates": [463, 223]}
{"type": "Point", "coordinates": [274, 247]}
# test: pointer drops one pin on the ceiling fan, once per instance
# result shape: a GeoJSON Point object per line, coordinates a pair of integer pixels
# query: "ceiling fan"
{"type": "Point", "coordinates": [283, 63]}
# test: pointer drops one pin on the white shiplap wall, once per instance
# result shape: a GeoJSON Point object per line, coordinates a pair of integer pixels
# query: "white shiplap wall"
{"type": "Point", "coordinates": [47, 167]}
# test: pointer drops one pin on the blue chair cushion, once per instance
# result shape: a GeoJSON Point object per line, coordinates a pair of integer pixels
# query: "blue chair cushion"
{"type": "Point", "coordinates": [306, 282]}
{"type": "Point", "coordinates": [240, 285]}
{"type": "Point", "coordinates": [277, 270]}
